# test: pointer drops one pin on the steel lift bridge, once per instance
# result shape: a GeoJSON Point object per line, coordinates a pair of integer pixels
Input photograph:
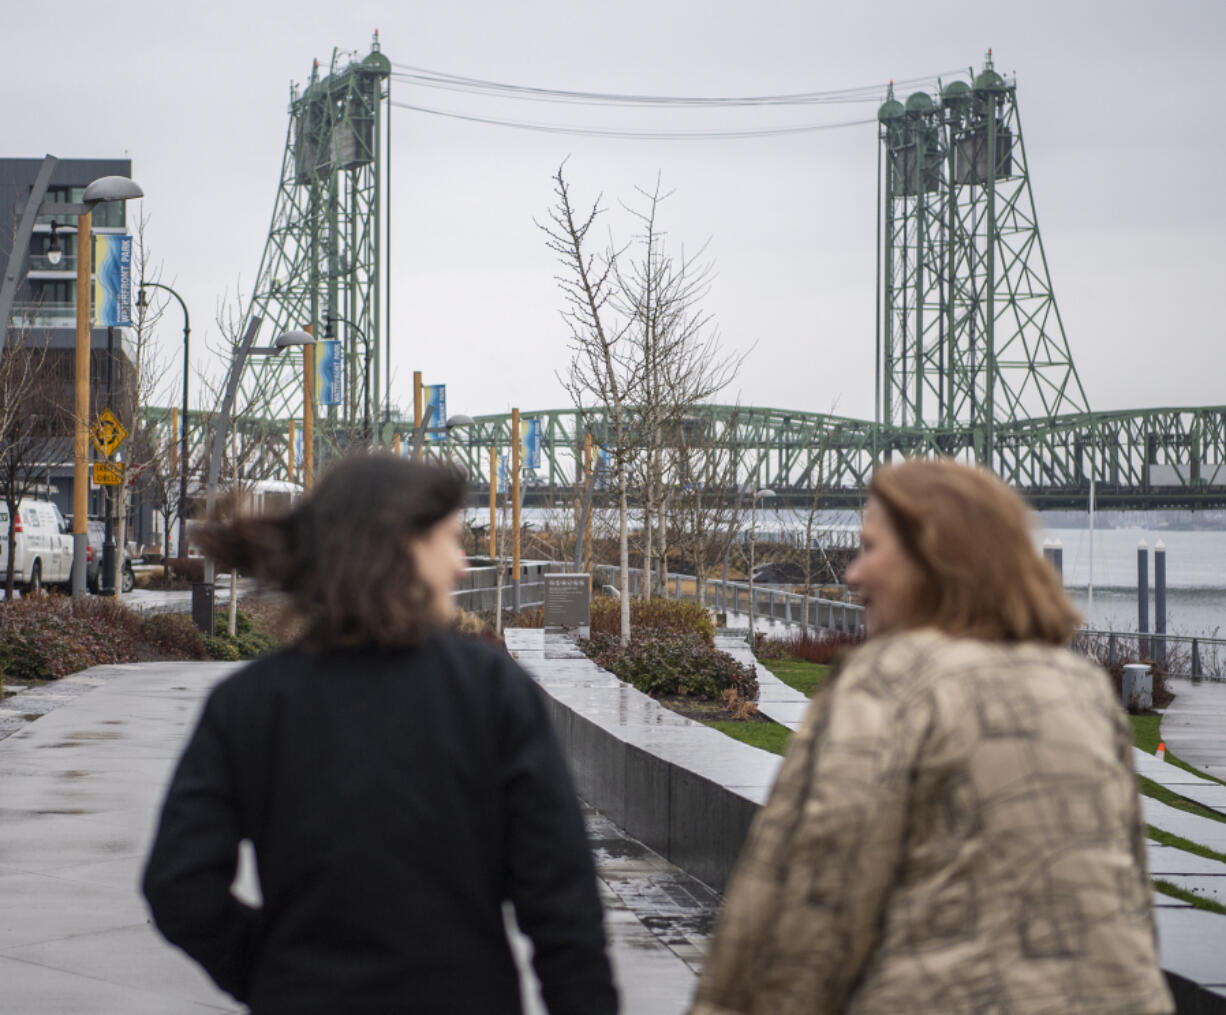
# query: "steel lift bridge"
{"type": "Point", "coordinates": [972, 358]}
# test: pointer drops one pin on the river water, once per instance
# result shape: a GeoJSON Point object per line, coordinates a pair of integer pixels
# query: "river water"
{"type": "Point", "coordinates": [1195, 560]}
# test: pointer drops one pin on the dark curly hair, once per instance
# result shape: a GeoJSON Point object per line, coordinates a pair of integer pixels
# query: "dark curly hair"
{"type": "Point", "coordinates": [343, 554]}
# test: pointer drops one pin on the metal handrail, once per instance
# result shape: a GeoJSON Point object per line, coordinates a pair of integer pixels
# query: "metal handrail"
{"type": "Point", "coordinates": [1180, 655]}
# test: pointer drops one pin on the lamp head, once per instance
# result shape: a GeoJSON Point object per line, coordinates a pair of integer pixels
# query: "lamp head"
{"type": "Point", "coordinates": [112, 188]}
{"type": "Point", "coordinates": [459, 419]}
{"type": "Point", "coordinates": [291, 338]}
{"type": "Point", "coordinates": [764, 493]}
{"type": "Point", "coordinates": [54, 252]}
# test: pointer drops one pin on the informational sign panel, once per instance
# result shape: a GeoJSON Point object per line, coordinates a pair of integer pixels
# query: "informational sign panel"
{"type": "Point", "coordinates": [435, 396]}
{"type": "Point", "coordinates": [568, 600]}
{"type": "Point", "coordinates": [113, 280]}
{"type": "Point", "coordinates": [328, 371]}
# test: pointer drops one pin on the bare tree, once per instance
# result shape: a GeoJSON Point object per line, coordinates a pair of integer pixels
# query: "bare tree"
{"type": "Point", "coordinates": [604, 371]}
{"type": "Point", "coordinates": [31, 413]}
{"type": "Point", "coordinates": [705, 510]}
{"type": "Point", "coordinates": [682, 362]}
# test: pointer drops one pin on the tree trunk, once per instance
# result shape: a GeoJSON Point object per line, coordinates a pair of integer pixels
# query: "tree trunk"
{"type": "Point", "coordinates": [662, 526]}
{"type": "Point", "coordinates": [624, 553]}
{"type": "Point", "coordinates": [648, 546]}
{"type": "Point", "coordinates": [121, 536]}
{"type": "Point", "coordinates": [166, 547]}
{"type": "Point", "coordinates": [9, 582]}
{"type": "Point", "coordinates": [232, 621]}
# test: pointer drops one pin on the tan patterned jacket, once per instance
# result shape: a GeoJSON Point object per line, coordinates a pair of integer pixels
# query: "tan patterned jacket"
{"type": "Point", "coordinates": [955, 829]}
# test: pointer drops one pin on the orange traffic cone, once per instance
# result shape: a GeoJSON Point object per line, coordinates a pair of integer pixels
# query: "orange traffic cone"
{"type": "Point", "coordinates": [1161, 751]}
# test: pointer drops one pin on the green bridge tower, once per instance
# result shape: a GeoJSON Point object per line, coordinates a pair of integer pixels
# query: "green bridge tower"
{"type": "Point", "coordinates": [323, 260]}
{"type": "Point", "coordinates": [972, 337]}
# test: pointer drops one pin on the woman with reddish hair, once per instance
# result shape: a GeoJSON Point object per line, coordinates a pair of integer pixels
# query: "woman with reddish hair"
{"type": "Point", "coordinates": [956, 827]}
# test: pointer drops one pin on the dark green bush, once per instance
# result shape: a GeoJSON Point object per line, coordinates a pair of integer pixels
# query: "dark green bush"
{"type": "Point", "coordinates": [175, 635]}
{"type": "Point", "coordinates": [655, 615]}
{"type": "Point", "coordinates": [669, 663]}
{"type": "Point", "coordinates": [250, 638]}
{"type": "Point", "coordinates": [242, 623]}
{"type": "Point", "coordinates": [255, 643]}
{"type": "Point", "coordinates": [221, 648]}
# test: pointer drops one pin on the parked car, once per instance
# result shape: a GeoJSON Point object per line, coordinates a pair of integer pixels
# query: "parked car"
{"type": "Point", "coordinates": [42, 554]}
{"type": "Point", "coordinates": [93, 559]}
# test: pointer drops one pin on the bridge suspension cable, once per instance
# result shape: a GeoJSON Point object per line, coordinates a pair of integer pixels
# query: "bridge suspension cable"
{"type": "Point", "coordinates": [455, 82]}
{"type": "Point", "coordinates": [443, 81]}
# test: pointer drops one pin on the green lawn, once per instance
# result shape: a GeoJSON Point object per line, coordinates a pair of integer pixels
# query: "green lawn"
{"type": "Point", "coordinates": [770, 736]}
{"type": "Point", "coordinates": [1197, 901]}
{"type": "Point", "coordinates": [1146, 735]}
{"type": "Point", "coordinates": [805, 677]}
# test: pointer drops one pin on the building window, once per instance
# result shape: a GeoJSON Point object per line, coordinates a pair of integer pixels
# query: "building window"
{"type": "Point", "coordinates": [107, 215]}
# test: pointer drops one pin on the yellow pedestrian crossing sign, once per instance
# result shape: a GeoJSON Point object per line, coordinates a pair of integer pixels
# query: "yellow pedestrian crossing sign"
{"type": "Point", "coordinates": [107, 433]}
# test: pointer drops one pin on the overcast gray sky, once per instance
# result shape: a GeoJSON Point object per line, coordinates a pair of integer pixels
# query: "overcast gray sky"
{"type": "Point", "coordinates": [1119, 105]}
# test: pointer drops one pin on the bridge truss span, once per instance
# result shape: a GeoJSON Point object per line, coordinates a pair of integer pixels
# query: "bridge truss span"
{"type": "Point", "coordinates": [1138, 459]}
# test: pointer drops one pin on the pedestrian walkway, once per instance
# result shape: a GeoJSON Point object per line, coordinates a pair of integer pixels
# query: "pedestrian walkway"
{"type": "Point", "coordinates": [776, 700]}
{"type": "Point", "coordinates": [83, 766]}
{"type": "Point", "coordinates": [1194, 727]}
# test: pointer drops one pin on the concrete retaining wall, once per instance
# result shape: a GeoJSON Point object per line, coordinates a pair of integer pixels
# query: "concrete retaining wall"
{"type": "Point", "coordinates": [697, 824]}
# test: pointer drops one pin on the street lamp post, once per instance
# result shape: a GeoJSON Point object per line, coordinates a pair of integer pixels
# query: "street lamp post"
{"type": "Point", "coordinates": [306, 340]}
{"type": "Point", "coordinates": [143, 301]}
{"type": "Point", "coordinates": [753, 533]}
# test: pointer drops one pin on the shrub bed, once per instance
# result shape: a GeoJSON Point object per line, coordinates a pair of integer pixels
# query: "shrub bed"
{"type": "Point", "coordinates": [805, 646]}
{"type": "Point", "coordinates": [673, 663]}
{"type": "Point", "coordinates": [50, 636]}
{"type": "Point", "coordinates": [659, 615]}
{"type": "Point", "coordinates": [250, 638]}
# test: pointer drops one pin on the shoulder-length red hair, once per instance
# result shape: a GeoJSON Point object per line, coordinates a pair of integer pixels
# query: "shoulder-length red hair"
{"type": "Point", "coordinates": [970, 534]}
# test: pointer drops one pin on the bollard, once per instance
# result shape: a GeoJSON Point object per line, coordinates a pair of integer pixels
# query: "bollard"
{"type": "Point", "coordinates": [1196, 674]}
{"type": "Point", "coordinates": [1143, 599]}
{"type": "Point", "coordinates": [1160, 603]}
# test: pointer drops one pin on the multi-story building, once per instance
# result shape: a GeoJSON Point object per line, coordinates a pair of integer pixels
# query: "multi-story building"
{"type": "Point", "coordinates": [44, 311]}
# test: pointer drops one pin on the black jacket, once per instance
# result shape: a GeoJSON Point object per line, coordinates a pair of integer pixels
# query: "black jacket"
{"type": "Point", "coordinates": [394, 800]}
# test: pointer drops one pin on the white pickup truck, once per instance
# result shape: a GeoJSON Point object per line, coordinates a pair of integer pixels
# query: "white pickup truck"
{"type": "Point", "coordinates": [43, 553]}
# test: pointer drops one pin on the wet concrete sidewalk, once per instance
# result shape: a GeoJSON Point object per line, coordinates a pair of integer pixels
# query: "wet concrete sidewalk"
{"type": "Point", "coordinates": [80, 786]}
{"type": "Point", "coordinates": [1194, 727]}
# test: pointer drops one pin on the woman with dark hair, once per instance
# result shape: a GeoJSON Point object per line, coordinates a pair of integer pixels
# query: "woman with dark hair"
{"type": "Point", "coordinates": [956, 827]}
{"type": "Point", "coordinates": [397, 782]}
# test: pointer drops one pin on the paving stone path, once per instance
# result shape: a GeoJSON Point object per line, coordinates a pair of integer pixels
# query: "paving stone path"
{"type": "Point", "coordinates": [83, 766]}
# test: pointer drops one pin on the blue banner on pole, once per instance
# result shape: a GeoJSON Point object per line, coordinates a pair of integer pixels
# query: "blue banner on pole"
{"type": "Point", "coordinates": [328, 371]}
{"type": "Point", "coordinates": [604, 468]}
{"type": "Point", "coordinates": [113, 280]}
{"type": "Point", "coordinates": [504, 474]}
{"type": "Point", "coordinates": [435, 396]}
{"type": "Point", "coordinates": [530, 444]}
